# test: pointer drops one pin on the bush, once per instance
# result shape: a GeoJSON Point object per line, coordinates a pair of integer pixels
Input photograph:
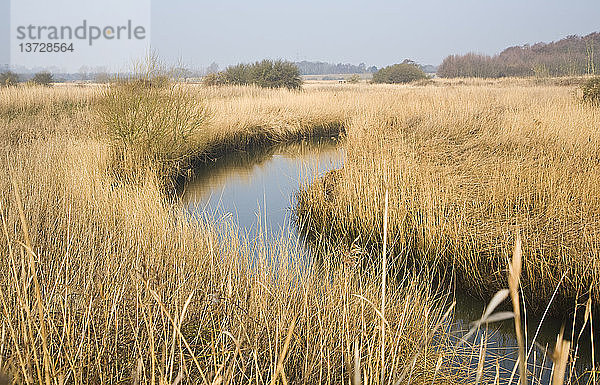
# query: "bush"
{"type": "Point", "coordinates": [43, 79]}
{"type": "Point", "coordinates": [591, 90]}
{"type": "Point", "coordinates": [399, 73]}
{"type": "Point", "coordinates": [151, 125]}
{"type": "Point", "coordinates": [238, 75]}
{"type": "Point", "coordinates": [353, 79]}
{"type": "Point", "coordinates": [212, 79]}
{"type": "Point", "coordinates": [8, 79]}
{"type": "Point", "coordinates": [267, 73]}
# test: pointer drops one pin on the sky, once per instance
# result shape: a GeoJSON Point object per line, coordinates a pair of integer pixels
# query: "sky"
{"type": "Point", "coordinates": [67, 35]}
{"type": "Point", "coordinates": [377, 32]}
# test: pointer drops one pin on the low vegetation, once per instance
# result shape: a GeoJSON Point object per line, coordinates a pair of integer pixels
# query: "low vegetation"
{"type": "Point", "coordinates": [8, 79]}
{"type": "Point", "coordinates": [399, 73]}
{"type": "Point", "coordinates": [266, 73]}
{"type": "Point", "coordinates": [591, 90]}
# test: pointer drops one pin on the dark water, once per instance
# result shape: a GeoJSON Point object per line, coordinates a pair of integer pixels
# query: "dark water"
{"type": "Point", "coordinates": [502, 349]}
{"type": "Point", "coordinates": [255, 190]}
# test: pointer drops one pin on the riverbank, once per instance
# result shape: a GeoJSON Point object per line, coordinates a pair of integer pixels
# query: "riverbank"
{"type": "Point", "coordinates": [467, 168]}
{"type": "Point", "coordinates": [105, 279]}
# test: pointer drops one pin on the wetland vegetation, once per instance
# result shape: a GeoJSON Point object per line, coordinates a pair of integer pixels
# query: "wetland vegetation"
{"type": "Point", "coordinates": [106, 279]}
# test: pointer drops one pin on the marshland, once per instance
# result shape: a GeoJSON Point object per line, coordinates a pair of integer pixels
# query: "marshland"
{"type": "Point", "coordinates": [432, 198]}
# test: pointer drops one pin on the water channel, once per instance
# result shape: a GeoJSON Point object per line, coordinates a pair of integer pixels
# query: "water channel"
{"type": "Point", "coordinates": [255, 190]}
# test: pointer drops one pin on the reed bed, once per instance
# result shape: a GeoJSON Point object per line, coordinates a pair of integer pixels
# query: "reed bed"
{"type": "Point", "coordinates": [466, 168]}
{"type": "Point", "coordinates": [105, 279]}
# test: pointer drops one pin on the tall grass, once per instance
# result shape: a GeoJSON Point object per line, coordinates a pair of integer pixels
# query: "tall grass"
{"type": "Point", "coordinates": [465, 166]}
{"type": "Point", "coordinates": [105, 280]}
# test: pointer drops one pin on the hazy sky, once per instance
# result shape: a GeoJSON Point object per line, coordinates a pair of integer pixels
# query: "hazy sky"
{"type": "Point", "coordinates": [375, 32]}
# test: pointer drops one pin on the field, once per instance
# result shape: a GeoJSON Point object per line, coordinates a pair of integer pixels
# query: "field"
{"type": "Point", "coordinates": [104, 279]}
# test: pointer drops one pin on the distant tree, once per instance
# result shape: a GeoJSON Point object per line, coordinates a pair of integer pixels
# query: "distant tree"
{"type": "Point", "coordinates": [213, 68]}
{"type": "Point", "coordinates": [181, 73]}
{"type": "Point", "coordinates": [102, 77]}
{"type": "Point", "coordinates": [399, 73]}
{"type": "Point", "coordinates": [573, 55]}
{"type": "Point", "coordinates": [8, 79]}
{"type": "Point", "coordinates": [43, 78]}
{"type": "Point", "coordinates": [428, 68]}
{"type": "Point", "coordinates": [266, 73]}
{"type": "Point", "coordinates": [84, 72]}
{"type": "Point", "coordinates": [322, 68]}
{"type": "Point", "coordinates": [469, 65]}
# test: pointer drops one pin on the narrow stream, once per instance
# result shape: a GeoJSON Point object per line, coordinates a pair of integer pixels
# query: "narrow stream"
{"type": "Point", "coordinates": [256, 189]}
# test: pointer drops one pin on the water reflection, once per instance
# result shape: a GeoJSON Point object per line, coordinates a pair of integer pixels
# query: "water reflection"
{"type": "Point", "coordinates": [501, 345]}
{"type": "Point", "coordinates": [255, 190]}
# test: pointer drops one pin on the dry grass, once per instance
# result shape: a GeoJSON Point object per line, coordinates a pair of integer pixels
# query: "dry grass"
{"type": "Point", "coordinates": [465, 167]}
{"type": "Point", "coordinates": [105, 280]}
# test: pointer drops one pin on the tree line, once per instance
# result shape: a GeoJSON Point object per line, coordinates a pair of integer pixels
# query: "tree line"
{"type": "Point", "coordinates": [573, 55]}
{"type": "Point", "coordinates": [322, 68]}
{"type": "Point", "coordinates": [10, 79]}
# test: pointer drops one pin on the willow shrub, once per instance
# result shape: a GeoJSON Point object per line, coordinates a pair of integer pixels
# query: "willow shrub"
{"type": "Point", "coordinates": [151, 122]}
{"type": "Point", "coordinates": [399, 73]}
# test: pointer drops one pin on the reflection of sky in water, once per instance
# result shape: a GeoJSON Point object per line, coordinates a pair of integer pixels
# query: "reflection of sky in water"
{"type": "Point", "coordinates": [256, 189]}
{"type": "Point", "coordinates": [252, 186]}
{"type": "Point", "coordinates": [502, 348]}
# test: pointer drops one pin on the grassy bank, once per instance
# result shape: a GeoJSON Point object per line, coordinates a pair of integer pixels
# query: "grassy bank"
{"type": "Point", "coordinates": [467, 166]}
{"type": "Point", "coordinates": [103, 279]}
